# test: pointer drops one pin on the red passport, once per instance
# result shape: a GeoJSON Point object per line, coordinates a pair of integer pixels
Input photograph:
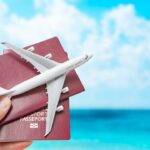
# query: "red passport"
{"type": "Point", "coordinates": [32, 127]}
{"type": "Point", "coordinates": [14, 70]}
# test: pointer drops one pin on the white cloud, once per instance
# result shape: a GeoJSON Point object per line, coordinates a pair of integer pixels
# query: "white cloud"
{"type": "Point", "coordinates": [58, 18]}
{"type": "Point", "coordinates": [119, 41]}
{"type": "Point", "coordinates": [3, 8]}
{"type": "Point", "coordinates": [121, 45]}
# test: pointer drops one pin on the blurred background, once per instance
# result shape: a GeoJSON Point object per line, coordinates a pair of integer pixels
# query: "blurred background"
{"type": "Point", "coordinates": [114, 111]}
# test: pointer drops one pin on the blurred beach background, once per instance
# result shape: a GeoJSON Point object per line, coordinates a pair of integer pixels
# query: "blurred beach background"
{"type": "Point", "coordinates": [114, 111]}
{"type": "Point", "coordinates": [104, 130]}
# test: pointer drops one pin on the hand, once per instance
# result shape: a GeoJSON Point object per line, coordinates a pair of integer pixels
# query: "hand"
{"type": "Point", "coordinates": [5, 104]}
{"type": "Point", "coordinates": [14, 145]}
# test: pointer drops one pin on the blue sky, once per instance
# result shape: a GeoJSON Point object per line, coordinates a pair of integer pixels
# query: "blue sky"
{"type": "Point", "coordinates": [91, 7]}
{"type": "Point", "coordinates": [115, 31]}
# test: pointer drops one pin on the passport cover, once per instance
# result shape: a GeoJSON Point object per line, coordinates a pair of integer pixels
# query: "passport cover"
{"type": "Point", "coordinates": [32, 127]}
{"type": "Point", "coordinates": [14, 70]}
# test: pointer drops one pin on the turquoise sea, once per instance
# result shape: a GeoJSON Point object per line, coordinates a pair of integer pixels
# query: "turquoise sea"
{"type": "Point", "coordinates": [104, 130]}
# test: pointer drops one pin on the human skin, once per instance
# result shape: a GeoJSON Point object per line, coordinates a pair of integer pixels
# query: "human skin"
{"type": "Point", "coordinates": [5, 104]}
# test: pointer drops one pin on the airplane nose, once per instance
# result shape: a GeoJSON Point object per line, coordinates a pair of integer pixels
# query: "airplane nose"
{"type": "Point", "coordinates": [89, 56]}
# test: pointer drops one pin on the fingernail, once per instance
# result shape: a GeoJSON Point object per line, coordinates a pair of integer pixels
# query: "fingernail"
{"type": "Point", "coordinates": [5, 105]}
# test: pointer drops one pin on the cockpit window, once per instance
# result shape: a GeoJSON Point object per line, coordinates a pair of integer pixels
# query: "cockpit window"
{"type": "Point", "coordinates": [86, 57]}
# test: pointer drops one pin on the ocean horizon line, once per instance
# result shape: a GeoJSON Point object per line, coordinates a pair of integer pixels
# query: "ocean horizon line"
{"type": "Point", "coordinates": [82, 109]}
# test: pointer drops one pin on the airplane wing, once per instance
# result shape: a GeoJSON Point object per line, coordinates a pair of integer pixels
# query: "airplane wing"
{"type": "Point", "coordinates": [39, 62]}
{"type": "Point", "coordinates": [54, 89]}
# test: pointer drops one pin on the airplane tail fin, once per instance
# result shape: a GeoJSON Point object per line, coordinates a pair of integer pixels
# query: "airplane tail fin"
{"type": "Point", "coordinates": [4, 91]}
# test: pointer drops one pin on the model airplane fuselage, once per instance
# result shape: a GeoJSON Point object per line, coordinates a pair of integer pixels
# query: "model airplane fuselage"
{"type": "Point", "coordinates": [49, 75]}
{"type": "Point", "coordinates": [52, 74]}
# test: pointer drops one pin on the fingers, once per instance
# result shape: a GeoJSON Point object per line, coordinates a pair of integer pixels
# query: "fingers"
{"type": "Point", "coordinates": [5, 104]}
{"type": "Point", "coordinates": [15, 145]}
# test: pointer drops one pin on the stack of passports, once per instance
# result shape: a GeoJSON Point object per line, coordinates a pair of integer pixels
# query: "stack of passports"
{"type": "Point", "coordinates": [27, 116]}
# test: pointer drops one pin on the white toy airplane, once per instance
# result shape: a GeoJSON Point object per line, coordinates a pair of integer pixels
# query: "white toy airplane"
{"type": "Point", "coordinates": [53, 74]}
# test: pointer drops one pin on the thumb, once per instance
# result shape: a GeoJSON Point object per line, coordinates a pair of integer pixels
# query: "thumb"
{"type": "Point", "coordinates": [5, 104]}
